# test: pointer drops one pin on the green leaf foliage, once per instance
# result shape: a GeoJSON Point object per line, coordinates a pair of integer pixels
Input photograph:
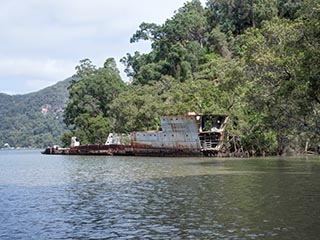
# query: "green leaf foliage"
{"type": "Point", "coordinates": [88, 108]}
{"type": "Point", "coordinates": [257, 61]}
{"type": "Point", "coordinates": [33, 120]}
{"type": "Point", "coordinates": [254, 60]}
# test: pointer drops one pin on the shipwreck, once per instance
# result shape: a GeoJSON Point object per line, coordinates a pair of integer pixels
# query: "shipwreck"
{"type": "Point", "coordinates": [184, 135]}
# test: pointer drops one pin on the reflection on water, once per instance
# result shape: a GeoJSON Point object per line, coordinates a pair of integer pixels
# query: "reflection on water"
{"type": "Point", "coordinates": [73, 197]}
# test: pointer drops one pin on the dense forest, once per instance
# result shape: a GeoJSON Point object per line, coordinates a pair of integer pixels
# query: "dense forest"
{"type": "Point", "coordinates": [257, 61]}
{"type": "Point", "coordinates": [35, 119]}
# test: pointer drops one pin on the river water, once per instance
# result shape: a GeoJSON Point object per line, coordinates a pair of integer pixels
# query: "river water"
{"type": "Point", "coordinates": [89, 197]}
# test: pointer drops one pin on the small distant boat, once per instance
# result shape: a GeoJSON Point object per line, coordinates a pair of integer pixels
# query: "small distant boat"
{"type": "Point", "coordinates": [184, 135]}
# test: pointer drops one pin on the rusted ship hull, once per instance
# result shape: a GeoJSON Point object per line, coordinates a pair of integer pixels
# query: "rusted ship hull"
{"type": "Point", "coordinates": [121, 150]}
{"type": "Point", "coordinates": [190, 135]}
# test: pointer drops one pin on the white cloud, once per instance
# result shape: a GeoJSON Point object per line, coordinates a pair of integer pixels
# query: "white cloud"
{"type": "Point", "coordinates": [38, 83]}
{"type": "Point", "coordinates": [44, 40]}
{"type": "Point", "coordinates": [23, 75]}
{"type": "Point", "coordinates": [50, 69]}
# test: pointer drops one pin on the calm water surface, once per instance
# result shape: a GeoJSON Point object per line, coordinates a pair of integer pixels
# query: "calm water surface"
{"type": "Point", "coordinates": [74, 197]}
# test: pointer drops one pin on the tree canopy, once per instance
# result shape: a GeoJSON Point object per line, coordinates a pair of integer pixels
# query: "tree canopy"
{"type": "Point", "coordinates": [91, 93]}
{"type": "Point", "coordinates": [33, 120]}
{"type": "Point", "coordinates": [257, 61]}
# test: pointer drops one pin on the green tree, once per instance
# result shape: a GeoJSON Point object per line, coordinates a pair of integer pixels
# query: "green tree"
{"type": "Point", "coordinates": [88, 107]}
{"type": "Point", "coordinates": [280, 65]}
{"type": "Point", "coordinates": [177, 46]}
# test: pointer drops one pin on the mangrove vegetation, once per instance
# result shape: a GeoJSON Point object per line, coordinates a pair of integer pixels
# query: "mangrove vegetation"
{"type": "Point", "coordinates": [257, 61]}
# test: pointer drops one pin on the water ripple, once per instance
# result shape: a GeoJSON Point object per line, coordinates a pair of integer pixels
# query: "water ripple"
{"type": "Point", "coordinates": [152, 198]}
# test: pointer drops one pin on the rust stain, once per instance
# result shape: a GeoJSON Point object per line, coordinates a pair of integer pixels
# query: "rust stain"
{"type": "Point", "coordinates": [186, 135]}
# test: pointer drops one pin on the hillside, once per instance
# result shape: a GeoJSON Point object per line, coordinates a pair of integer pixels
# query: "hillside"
{"type": "Point", "coordinates": [34, 119]}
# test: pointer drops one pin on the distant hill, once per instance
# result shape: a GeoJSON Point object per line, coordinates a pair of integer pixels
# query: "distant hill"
{"type": "Point", "coordinates": [34, 119]}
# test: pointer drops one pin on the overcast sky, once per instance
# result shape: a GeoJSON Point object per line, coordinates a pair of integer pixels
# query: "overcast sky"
{"type": "Point", "coordinates": [42, 41]}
